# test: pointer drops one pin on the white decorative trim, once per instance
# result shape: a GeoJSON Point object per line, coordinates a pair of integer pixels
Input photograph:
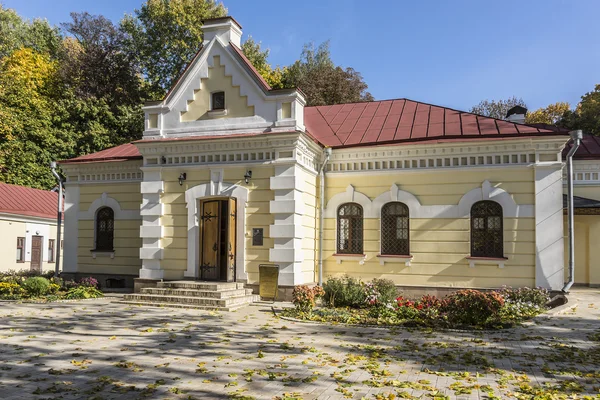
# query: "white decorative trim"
{"type": "Point", "coordinates": [105, 201]}
{"type": "Point", "coordinates": [192, 199]}
{"type": "Point", "coordinates": [349, 196]}
{"type": "Point", "coordinates": [440, 156]}
{"type": "Point", "coordinates": [99, 253]}
{"type": "Point", "coordinates": [509, 207]}
{"type": "Point", "coordinates": [474, 261]}
{"type": "Point", "coordinates": [356, 258]}
{"type": "Point", "coordinates": [399, 259]}
{"type": "Point", "coordinates": [372, 209]}
{"type": "Point", "coordinates": [217, 113]}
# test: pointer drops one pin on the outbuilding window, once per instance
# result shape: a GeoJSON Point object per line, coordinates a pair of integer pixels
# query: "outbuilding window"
{"type": "Point", "coordinates": [395, 236]}
{"type": "Point", "coordinates": [350, 229]}
{"type": "Point", "coordinates": [218, 101]}
{"type": "Point", "coordinates": [20, 249]}
{"type": "Point", "coordinates": [105, 227]}
{"type": "Point", "coordinates": [487, 230]}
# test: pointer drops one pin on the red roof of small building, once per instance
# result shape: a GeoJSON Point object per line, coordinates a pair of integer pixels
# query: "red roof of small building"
{"type": "Point", "coordinates": [588, 150]}
{"type": "Point", "coordinates": [404, 120]}
{"type": "Point", "coordinates": [123, 152]}
{"type": "Point", "coordinates": [21, 200]}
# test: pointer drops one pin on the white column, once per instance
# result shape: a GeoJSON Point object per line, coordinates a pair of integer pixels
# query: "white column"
{"type": "Point", "coordinates": [287, 209]}
{"type": "Point", "coordinates": [71, 228]}
{"type": "Point", "coordinates": [549, 230]}
{"type": "Point", "coordinates": [151, 231]}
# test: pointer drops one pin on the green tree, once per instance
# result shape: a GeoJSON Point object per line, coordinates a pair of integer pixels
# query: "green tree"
{"type": "Point", "coordinates": [37, 34]}
{"type": "Point", "coordinates": [497, 108]}
{"type": "Point", "coordinates": [551, 114]}
{"type": "Point", "coordinates": [259, 59]}
{"type": "Point", "coordinates": [586, 115]}
{"type": "Point", "coordinates": [165, 35]}
{"type": "Point", "coordinates": [323, 82]}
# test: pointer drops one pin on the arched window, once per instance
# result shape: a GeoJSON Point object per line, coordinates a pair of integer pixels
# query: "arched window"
{"type": "Point", "coordinates": [105, 228]}
{"type": "Point", "coordinates": [395, 237]}
{"type": "Point", "coordinates": [487, 230]}
{"type": "Point", "coordinates": [350, 229]}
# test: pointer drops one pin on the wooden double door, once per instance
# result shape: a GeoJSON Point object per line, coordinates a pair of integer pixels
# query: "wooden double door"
{"type": "Point", "coordinates": [217, 239]}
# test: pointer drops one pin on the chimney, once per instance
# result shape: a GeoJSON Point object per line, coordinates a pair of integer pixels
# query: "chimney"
{"type": "Point", "coordinates": [516, 114]}
{"type": "Point", "coordinates": [226, 28]}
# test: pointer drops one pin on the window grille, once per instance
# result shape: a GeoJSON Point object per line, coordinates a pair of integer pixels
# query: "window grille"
{"type": "Point", "coordinates": [487, 230]}
{"type": "Point", "coordinates": [350, 229]}
{"type": "Point", "coordinates": [105, 227]}
{"type": "Point", "coordinates": [218, 101]}
{"type": "Point", "coordinates": [395, 233]}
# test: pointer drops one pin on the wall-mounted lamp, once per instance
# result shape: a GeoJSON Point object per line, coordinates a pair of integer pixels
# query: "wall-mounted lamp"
{"type": "Point", "coordinates": [182, 177]}
{"type": "Point", "coordinates": [247, 176]}
{"type": "Point", "coordinates": [163, 160]}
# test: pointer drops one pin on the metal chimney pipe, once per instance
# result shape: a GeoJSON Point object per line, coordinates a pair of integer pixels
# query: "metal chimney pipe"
{"type": "Point", "coordinates": [576, 136]}
{"type": "Point", "coordinates": [58, 217]}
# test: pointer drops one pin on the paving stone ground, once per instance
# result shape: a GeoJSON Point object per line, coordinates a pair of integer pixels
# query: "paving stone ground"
{"type": "Point", "coordinates": [102, 350]}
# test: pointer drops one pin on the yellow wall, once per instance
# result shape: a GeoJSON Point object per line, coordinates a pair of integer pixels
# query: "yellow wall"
{"type": "Point", "coordinates": [439, 246]}
{"type": "Point", "coordinates": [236, 105]}
{"type": "Point", "coordinates": [587, 191]}
{"type": "Point", "coordinates": [587, 251]}
{"type": "Point", "coordinates": [174, 219]}
{"type": "Point", "coordinates": [127, 241]}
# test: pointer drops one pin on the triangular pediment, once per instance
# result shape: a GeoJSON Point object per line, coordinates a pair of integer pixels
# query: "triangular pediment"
{"type": "Point", "coordinates": [221, 69]}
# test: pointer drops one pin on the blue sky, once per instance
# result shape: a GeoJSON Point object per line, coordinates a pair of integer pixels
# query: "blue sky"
{"type": "Point", "coordinates": [452, 53]}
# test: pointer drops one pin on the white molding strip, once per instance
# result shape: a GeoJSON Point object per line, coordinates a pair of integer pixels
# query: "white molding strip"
{"type": "Point", "coordinates": [372, 209]}
{"type": "Point", "coordinates": [106, 201]}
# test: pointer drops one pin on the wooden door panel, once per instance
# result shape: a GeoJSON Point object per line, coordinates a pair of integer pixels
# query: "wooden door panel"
{"type": "Point", "coordinates": [231, 245]}
{"type": "Point", "coordinates": [209, 263]}
{"type": "Point", "coordinates": [36, 253]}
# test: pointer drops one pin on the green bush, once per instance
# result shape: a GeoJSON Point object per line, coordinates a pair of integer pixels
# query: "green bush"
{"type": "Point", "coordinates": [83, 292]}
{"type": "Point", "coordinates": [387, 290]}
{"type": "Point", "coordinates": [471, 307]}
{"type": "Point", "coordinates": [344, 292]}
{"type": "Point", "coordinates": [36, 286]}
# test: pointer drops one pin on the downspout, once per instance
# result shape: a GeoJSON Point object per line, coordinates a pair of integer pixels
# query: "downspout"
{"type": "Point", "coordinates": [58, 217]}
{"type": "Point", "coordinates": [576, 136]}
{"type": "Point", "coordinates": [327, 153]}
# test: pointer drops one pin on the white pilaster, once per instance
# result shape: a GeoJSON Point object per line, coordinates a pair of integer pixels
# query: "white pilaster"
{"type": "Point", "coordinates": [549, 257]}
{"type": "Point", "coordinates": [286, 231]}
{"type": "Point", "coordinates": [151, 210]}
{"type": "Point", "coordinates": [71, 233]}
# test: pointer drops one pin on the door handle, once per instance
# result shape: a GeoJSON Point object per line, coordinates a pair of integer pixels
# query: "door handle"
{"type": "Point", "coordinates": [215, 247]}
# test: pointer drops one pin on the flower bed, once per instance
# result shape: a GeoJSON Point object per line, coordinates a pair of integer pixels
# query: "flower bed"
{"type": "Point", "coordinates": [31, 285]}
{"type": "Point", "coordinates": [350, 301]}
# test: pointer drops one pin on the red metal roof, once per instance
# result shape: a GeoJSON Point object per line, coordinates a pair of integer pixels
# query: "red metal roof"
{"type": "Point", "coordinates": [588, 150]}
{"type": "Point", "coordinates": [21, 200]}
{"type": "Point", "coordinates": [123, 152]}
{"type": "Point", "coordinates": [379, 123]}
{"type": "Point", "coordinates": [404, 120]}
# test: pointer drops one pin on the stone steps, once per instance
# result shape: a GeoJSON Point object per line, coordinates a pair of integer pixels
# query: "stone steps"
{"type": "Point", "coordinates": [221, 294]}
{"type": "Point", "coordinates": [217, 296]}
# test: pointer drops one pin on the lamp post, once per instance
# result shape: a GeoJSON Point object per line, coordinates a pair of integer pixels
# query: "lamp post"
{"type": "Point", "coordinates": [58, 217]}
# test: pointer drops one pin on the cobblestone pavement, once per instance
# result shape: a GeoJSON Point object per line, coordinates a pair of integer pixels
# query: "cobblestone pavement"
{"type": "Point", "coordinates": [102, 350]}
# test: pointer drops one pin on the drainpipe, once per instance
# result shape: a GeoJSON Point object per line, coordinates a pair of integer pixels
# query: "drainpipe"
{"type": "Point", "coordinates": [576, 136]}
{"type": "Point", "coordinates": [327, 154]}
{"type": "Point", "coordinates": [58, 218]}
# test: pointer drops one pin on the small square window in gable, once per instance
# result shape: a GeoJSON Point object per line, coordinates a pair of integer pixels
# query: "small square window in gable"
{"type": "Point", "coordinates": [286, 110]}
{"type": "Point", "coordinates": [218, 101]}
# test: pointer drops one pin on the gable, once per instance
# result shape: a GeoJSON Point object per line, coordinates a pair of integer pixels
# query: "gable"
{"type": "Point", "coordinates": [251, 106]}
{"type": "Point", "coordinates": [217, 80]}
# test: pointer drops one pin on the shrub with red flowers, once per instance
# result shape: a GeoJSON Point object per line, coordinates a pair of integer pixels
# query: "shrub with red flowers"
{"type": "Point", "coordinates": [303, 297]}
{"type": "Point", "coordinates": [407, 309]}
{"type": "Point", "coordinates": [471, 307]}
{"type": "Point", "coordinates": [88, 282]}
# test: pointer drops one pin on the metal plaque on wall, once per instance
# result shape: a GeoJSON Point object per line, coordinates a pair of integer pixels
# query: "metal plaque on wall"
{"type": "Point", "coordinates": [257, 236]}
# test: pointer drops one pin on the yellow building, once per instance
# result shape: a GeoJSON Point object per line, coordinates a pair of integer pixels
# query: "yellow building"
{"type": "Point", "coordinates": [231, 174]}
{"type": "Point", "coordinates": [27, 228]}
